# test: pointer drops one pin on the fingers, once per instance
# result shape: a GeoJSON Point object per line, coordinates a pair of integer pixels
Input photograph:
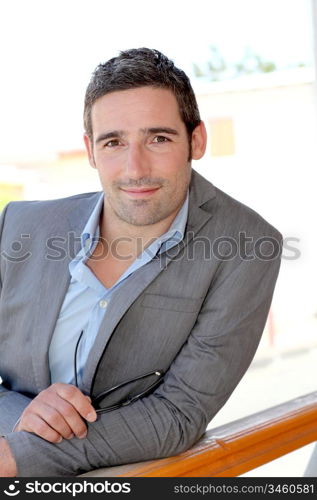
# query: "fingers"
{"type": "Point", "coordinates": [66, 419]}
{"type": "Point", "coordinates": [77, 399]}
{"type": "Point", "coordinates": [35, 424]}
{"type": "Point", "coordinates": [58, 412]}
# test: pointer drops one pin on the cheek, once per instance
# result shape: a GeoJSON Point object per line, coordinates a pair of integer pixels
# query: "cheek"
{"type": "Point", "coordinates": [174, 165]}
{"type": "Point", "coordinates": [108, 169]}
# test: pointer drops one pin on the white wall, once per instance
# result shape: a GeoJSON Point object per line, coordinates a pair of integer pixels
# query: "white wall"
{"type": "Point", "coordinates": [273, 171]}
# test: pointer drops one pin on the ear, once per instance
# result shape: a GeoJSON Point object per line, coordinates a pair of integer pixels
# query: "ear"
{"type": "Point", "coordinates": [89, 149]}
{"type": "Point", "coordinates": [199, 141]}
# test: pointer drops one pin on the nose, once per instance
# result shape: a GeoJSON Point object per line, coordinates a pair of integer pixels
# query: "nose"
{"type": "Point", "coordinates": [137, 162]}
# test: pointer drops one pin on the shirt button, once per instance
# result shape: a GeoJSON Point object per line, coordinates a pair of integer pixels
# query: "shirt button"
{"type": "Point", "coordinates": [103, 304]}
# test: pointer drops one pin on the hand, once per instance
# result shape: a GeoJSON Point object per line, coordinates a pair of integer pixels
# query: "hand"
{"type": "Point", "coordinates": [57, 413]}
{"type": "Point", "coordinates": [7, 463]}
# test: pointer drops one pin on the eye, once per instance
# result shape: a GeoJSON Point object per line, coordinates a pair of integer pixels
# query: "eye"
{"type": "Point", "coordinates": [112, 143]}
{"type": "Point", "coordinates": [160, 139]}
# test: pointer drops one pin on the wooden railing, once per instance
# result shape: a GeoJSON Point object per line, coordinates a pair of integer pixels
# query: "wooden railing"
{"type": "Point", "coordinates": [237, 447]}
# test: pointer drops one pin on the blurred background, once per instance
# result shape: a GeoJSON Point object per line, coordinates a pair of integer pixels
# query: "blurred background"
{"type": "Point", "coordinates": [252, 66]}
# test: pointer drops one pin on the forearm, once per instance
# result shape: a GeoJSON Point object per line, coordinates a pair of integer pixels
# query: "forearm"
{"type": "Point", "coordinates": [136, 433]}
{"type": "Point", "coordinates": [7, 462]}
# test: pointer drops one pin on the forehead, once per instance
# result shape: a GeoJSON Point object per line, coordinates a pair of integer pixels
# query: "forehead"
{"type": "Point", "coordinates": [136, 108]}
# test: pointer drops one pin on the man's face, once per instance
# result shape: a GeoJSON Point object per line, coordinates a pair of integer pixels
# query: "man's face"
{"type": "Point", "coordinates": [140, 149]}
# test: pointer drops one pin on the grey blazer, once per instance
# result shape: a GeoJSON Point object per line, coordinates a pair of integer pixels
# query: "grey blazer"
{"type": "Point", "coordinates": [196, 312]}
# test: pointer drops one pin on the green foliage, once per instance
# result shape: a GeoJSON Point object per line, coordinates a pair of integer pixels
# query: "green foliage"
{"type": "Point", "coordinates": [10, 192]}
{"type": "Point", "coordinates": [198, 71]}
{"type": "Point", "coordinates": [3, 202]}
{"type": "Point", "coordinates": [217, 68]}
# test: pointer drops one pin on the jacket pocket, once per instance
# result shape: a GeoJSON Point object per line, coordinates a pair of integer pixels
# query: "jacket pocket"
{"type": "Point", "coordinates": [179, 304]}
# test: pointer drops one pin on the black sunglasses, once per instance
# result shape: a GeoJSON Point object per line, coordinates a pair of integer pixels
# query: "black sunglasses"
{"type": "Point", "coordinates": [158, 374]}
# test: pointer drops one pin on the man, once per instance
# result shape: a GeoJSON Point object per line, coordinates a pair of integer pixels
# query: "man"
{"type": "Point", "coordinates": [127, 318]}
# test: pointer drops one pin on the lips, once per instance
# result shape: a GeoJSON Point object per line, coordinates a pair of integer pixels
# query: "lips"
{"type": "Point", "coordinates": [145, 191]}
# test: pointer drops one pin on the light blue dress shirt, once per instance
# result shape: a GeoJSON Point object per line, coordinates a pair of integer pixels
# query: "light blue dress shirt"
{"type": "Point", "coordinates": [86, 300]}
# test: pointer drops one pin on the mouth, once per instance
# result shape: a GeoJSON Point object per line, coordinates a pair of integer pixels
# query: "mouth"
{"type": "Point", "coordinates": [140, 192]}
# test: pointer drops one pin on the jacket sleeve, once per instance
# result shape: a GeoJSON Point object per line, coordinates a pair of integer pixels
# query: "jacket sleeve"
{"type": "Point", "coordinates": [200, 380]}
{"type": "Point", "coordinates": [12, 403]}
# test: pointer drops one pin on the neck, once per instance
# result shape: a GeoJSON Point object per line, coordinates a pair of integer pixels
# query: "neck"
{"type": "Point", "coordinates": [134, 238]}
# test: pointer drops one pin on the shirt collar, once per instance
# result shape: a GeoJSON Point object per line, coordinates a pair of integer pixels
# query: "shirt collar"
{"type": "Point", "coordinates": [91, 232]}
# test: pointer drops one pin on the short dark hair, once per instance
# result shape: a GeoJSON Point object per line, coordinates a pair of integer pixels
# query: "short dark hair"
{"type": "Point", "coordinates": [140, 68]}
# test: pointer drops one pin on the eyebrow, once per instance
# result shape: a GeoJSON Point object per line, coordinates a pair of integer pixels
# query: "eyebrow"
{"type": "Point", "coordinates": [151, 130]}
{"type": "Point", "coordinates": [161, 130]}
{"type": "Point", "coordinates": [109, 135]}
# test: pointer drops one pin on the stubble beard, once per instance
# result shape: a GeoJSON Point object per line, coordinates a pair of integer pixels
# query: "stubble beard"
{"type": "Point", "coordinates": [145, 212]}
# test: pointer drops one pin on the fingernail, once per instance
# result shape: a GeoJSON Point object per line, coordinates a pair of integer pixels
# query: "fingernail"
{"type": "Point", "coordinates": [91, 417]}
{"type": "Point", "coordinates": [82, 436]}
{"type": "Point", "coordinates": [59, 440]}
{"type": "Point", "coordinates": [71, 436]}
